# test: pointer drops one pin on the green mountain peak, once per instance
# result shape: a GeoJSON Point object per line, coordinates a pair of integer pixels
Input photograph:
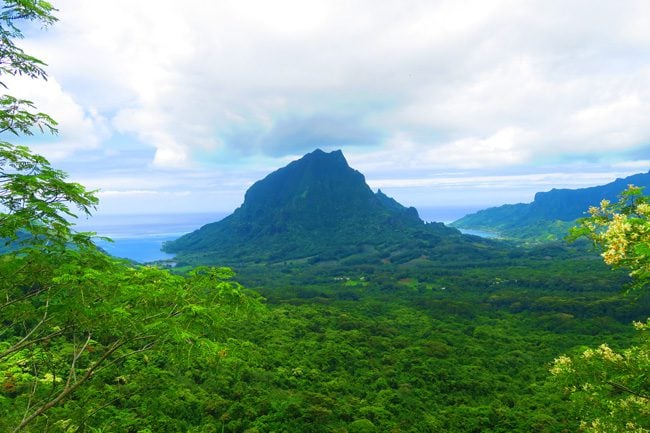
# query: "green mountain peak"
{"type": "Point", "coordinates": [316, 206]}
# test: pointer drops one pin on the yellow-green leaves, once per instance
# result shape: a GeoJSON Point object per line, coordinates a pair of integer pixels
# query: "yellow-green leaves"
{"type": "Point", "coordinates": [611, 388]}
{"type": "Point", "coordinates": [76, 314]}
{"type": "Point", "coordinates": [622, 231]}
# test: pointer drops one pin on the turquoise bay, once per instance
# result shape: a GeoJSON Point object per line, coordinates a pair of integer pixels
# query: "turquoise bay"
{"type": "Point", "coordinates": [140, 237]}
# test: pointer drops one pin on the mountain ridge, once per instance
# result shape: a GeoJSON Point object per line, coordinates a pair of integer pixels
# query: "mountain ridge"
{"type": "Point", "coordinates": [550, 214]}
{"type": "Point", "coordinates": [316, 208]}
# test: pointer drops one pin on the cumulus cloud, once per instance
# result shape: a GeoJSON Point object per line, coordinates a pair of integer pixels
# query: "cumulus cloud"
{"type": "Point", "coordinates": [499, 182]}
{"type": "Point", "coordinates": [183, 77]}
{"type": "Point", "coordinates": [441, 85]}
{"type": "Point", "coordinates": [296, 135]}
{"type": "Point", "coordinates": [80, 128]}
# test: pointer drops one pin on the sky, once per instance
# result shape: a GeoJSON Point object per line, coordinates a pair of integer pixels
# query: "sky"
{"type": "Point", "coordinates": [178, 107]}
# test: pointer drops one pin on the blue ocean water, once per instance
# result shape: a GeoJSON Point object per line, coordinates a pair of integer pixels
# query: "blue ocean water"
{"type": "Point", "coordinates": [481, 233]}
{"type": "Point", "coordinates": [140, 237]}
{"type": "Point", "coordinates": [141, 250]}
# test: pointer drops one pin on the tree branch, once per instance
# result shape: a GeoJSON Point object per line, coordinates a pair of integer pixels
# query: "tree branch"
{"type": "Point", "coordinates": [71, 387]}
{"type": "Point", "coordinates": [23, 341]}
{"type": "Point", "coordinates": [22, 298]}
{"type": "Point", "coordinates": [25, 344]}
{"type": "Point", "coordinates": [624, 388]}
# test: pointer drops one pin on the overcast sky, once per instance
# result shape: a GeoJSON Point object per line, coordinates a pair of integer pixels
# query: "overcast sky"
{"type": "Point", "coordinates": [179, 106]}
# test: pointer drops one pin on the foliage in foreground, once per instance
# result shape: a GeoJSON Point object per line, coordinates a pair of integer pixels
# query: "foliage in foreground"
{"type": "Point", "coordinates": [73, 318]}
{"type": "Point", "coordinates": [611, 389]}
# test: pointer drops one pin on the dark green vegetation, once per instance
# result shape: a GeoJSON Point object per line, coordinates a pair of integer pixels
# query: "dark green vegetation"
{"type": "Point", "coordinates": [441, 333]}
{"type": "Point", "coordinates": [318, 209]}
{"type": "Point", "coordinates": [550, 215]}
{"type": "Point", "coordinates": [454, 347]}
{"type": "Point", "coordinates": [399, 333]}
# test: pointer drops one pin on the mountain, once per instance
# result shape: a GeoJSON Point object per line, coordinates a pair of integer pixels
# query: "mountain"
{"type": "Point", "coordinates": [318, 209]}
{"type": "Point", "coordinates": [551, 213]}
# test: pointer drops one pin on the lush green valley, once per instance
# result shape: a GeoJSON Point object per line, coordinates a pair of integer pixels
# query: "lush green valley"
{"type": "Point", "coordinates": [462, 348]}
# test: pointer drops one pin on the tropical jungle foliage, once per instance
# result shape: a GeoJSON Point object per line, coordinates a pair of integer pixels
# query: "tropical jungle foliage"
{"type": "Point", "coordinates": [611, 389]}
{"type": "Point", "coordinates": [72, 317]}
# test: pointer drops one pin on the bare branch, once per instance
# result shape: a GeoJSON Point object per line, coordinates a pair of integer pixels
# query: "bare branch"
{"type": "Point", "coordinates": [73, 365]}
{"type": "Point", "coordinates": [144, 348]}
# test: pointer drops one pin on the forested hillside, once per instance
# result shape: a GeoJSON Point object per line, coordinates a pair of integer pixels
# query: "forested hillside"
{"type": "Point", "coordinates": [551, 213]}
{"type": "Point", "coordinates": [317, 209]}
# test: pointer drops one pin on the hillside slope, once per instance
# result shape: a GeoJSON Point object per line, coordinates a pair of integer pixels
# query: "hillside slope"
{"type": "Point", "coordinates": [550, 214]}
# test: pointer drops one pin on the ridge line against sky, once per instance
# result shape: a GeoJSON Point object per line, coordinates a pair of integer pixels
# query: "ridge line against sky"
{"type": "Point", "coordinates": [180, 106]}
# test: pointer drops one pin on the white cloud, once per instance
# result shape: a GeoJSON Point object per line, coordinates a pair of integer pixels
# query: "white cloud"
{"type": "Point", "coordinates": [182, 78]}
{"type": "Point", "coordinates": [615, 124]}
{"type": "Point", "coordinates": [413, 86]}
{"type": "Point", "coordinates": [504, 147]}
{"type": "Point", "coordinates": [536, 181]}
{"type": "Point", "coordinates": [79, 128]}
{"type": "Point", "coordinates": [636, 166]}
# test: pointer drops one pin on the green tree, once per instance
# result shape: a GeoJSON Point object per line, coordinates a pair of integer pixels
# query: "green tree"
{"type": "Point", "coordinates": [622, 232]}
{"type": "Point", "coordinates": [17, 115]}
{"type": "Point", "coordinates": [35, 199]}
{"type": "Point", "coordinates": [610, 388]}
{"type": "Point", "coordinates": [74, 321]}
{"type": "Point", "coordinates": [91, 315]}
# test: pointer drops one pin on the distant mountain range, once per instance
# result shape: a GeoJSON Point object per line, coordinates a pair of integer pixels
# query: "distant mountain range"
{"type": "Point", "coordinates": [551, 213]}
{"type": "Point", "coordinates": [319, 209]}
